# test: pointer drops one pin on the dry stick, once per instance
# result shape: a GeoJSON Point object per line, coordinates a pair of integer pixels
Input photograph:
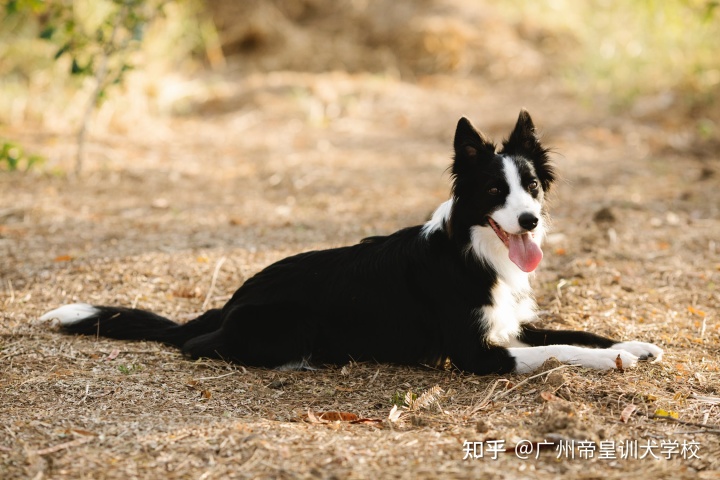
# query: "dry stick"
{"type": "Point", "coordinates": [12, 291]}
{"type": "Point", "coordinates": [62, 446]}
{"type": "Point", "coordinates": [215, 378]}
{"type": "Point", "coordinates": [707, 428]}
{"type": "Point", "coordinates": [218, 265]}
{"type": "Point", "coordinates": [99, 81]}
{"type": "Point", "coordinates": [486, 400]}
{"type": "Point", "coordinates": [87, 392]}
{"type": "Point", "coordinates": [502, 394]}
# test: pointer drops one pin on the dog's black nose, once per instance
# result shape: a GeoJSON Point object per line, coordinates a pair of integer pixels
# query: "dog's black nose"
{"type": "Point", "coordinates": [528, 221]}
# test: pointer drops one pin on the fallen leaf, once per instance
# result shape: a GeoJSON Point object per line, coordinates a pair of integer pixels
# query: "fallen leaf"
{"type": "Point", "coordinates": [338, 416]}
{"type": "Point", "coordinates": [666, 413]}
{"type": "Point", "coordinates": [663, 245]}
{"type": "Point", "coordinates": [63, 258]}
{"type": "Point", "coordinates": [395, 413]}
{"type": "Point", "coordinates": [627, 412]}
{"type": "Point", "coordinates": [619, 363]}
{"type": "Point", "coordinates": [695, 311]}
{"type": "Point", "coordinates": [313, 419]}
{"type": "Point", "coordinates": [327, 417]}
{"type": "Point", "coordinates": [206, 394]}
{"type": "Point", "coordinates": [113, 355]}
{"type": "Point", "coordinates": [548, 396]}
{"type": "Point", "coordinates": [372, 421]}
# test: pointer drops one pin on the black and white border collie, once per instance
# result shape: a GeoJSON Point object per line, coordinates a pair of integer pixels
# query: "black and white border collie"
{"type": "Point", "coordinates": [456, 288]}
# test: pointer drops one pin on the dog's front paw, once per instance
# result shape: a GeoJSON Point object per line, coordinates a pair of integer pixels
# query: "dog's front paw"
{"type": "Point", "coordinates": [607, 359]}
{"type": "Point", "coordinates": [642, 350]}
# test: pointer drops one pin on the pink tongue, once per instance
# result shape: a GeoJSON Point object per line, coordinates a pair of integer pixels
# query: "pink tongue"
{"type": "Point", "coordinates": [524, 252]}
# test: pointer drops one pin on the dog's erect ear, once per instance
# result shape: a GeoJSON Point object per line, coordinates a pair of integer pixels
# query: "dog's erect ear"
{"type": "Point", "coordinates": [470, 144]}
{"type": "Point", "coordinates": [524, 141]}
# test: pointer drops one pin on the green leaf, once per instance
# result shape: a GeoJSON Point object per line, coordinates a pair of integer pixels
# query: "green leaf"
{"type": "Point", "coordinates": [62, 50]}
{"type": "Point", "coordinates": [47, 33]}
{"type": "Point", "coordinates": [11, 7]}
{"type": "Point", "coordinates": [75, 68]}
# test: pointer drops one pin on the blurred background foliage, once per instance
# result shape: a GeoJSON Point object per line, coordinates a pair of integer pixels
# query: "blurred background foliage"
{"type": "Point", "coordinates": [60, 59]}
{"type": "Point", "coordinates": [627, 49]}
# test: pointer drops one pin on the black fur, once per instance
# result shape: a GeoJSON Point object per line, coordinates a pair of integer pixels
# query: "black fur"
{"type": "Point", "coordinates": [406, 298]}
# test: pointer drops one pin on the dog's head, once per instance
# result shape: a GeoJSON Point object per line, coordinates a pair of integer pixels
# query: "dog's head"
{"type": "Point", "coordinates": [498, 197]}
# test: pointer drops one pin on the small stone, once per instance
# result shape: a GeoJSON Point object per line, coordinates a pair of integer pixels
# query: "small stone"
{"type": "Point", "coordinates": [604, 215]}
{"type": "Point", "coordinates": [482, 426]}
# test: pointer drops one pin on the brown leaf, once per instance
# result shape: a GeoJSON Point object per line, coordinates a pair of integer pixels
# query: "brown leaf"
{"type": "Point", "coordinates": [627, 413]}
{"type": "Point", "coordinates": [63, 258]}
{"type": "Point", "coordinates": [206, 394]}
{"type": "Point", "coordinates": [548, 396]}
{"type": "Point", "coordinates": [618, 363]}
{"type": "Point", "coordinates": [327, 417]}
{"type": "Point", "coordinates": [339, 416]}
{"type": "Point", "coordinates": [372, 421]}
{"type": "Point", "coordinates": [313, 419]}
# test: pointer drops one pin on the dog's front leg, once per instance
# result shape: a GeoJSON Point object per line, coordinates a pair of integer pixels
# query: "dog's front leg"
{"type": "Point", "coordinates": [535, 345]}
{"type": "Point", "coordinates": [533, 336]}
{"type": "Point", "coordinates": [528, 359]}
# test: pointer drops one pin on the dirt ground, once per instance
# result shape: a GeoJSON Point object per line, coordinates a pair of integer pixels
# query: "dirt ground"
{"type": "Point", "coordinates": [173, 213]}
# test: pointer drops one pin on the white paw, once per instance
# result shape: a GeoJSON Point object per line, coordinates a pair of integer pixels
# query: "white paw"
{"type": "Point", "coordinates": [606, 359]}
{"type": "Point", "coordinates": [69, 314]}
{"type": "Point", "coordinates": [642, 350]}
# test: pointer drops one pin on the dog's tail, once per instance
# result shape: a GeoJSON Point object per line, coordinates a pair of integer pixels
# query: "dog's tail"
{"type": "Point", "coordinates": [130, 323]}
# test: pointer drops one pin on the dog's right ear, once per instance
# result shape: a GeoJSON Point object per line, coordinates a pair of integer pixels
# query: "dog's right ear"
{"type": "Point", "coordinates": [471, 145]}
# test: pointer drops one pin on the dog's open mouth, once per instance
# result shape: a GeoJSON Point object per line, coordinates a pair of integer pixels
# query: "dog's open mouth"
{"type": "Point", "coordinates": [523, 248]}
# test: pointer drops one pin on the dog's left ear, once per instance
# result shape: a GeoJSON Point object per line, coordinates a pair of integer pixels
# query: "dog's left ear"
{"type": "Point", "coordinates": [524, 141]}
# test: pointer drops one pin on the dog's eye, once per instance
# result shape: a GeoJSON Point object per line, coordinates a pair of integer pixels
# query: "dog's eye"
{"type": "Point", "coordinates": [494, 191]}
{"type": "Point", "coordinates": [533, 185]}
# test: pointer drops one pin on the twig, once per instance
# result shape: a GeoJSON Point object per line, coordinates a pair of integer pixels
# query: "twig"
{"type": "Point", "coordinates": [218, 265]}
{"type": "Point", "coordinates": [374, 377]}
{"type": "Point", "coordinates": [87, 392]}
{"type": "Point", "coordinates": [12, 291]}
{"type": "Point", "coordinates": [706, 399]}
{"type": "Point", "coordinates": [486, 400]}
{"type": "Point", "coordinates": [707, 428]}
{"type": "Point", "coordinates": [502, 394]}
{"type": "Point", "coordinates": [215, 378]}
{"type": "Point", "coordinates": [62, 446]}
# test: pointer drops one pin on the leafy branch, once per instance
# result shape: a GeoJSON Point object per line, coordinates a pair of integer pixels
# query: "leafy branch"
{"type": "Point", "coordinates": [98, 37]}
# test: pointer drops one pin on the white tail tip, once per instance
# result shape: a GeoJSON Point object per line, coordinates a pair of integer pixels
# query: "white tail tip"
{"type": "Point", "coordinates": [69, 314]}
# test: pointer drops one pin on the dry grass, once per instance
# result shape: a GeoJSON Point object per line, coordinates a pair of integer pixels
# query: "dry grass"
{"type": "Point", "coordinates": [277, 163]}
{"type": "Point", "coordinates": [149, 223]}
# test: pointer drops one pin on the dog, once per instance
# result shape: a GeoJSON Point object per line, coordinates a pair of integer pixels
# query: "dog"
{"type": "Point", "coordinates": [455, 289]}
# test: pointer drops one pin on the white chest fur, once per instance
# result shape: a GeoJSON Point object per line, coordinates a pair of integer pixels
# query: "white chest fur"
{"type": "Point", "coordinates": [512, 300]}
{"type": "Point", "coordinates": [510, 308]}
